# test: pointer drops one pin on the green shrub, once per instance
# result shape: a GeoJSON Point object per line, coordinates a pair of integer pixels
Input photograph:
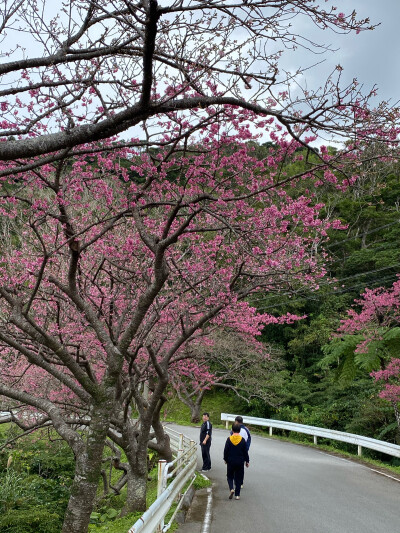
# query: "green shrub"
{"type": "Point", "coordinates": [32, 520]}
{"type": "Point", "coordinates": [108, 514]}
{"type": "Point", "coordinates": [215, 402]}
{"type": "Point", "coordinates": [35, 478]}
{"type": "Point", "coordinates": [52, 493]}
{"type": "Point", "coordinates": [49, 459]}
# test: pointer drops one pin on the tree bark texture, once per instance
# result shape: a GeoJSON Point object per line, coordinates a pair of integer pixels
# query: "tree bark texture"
{"type": "Point", "coordinates": [88, 467]}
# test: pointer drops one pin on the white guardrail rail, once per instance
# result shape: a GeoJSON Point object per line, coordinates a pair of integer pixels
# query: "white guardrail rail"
{"type": "Point", "coordinates": [182, 471]}
{"type": "Point", "coordinates": [360, 441]}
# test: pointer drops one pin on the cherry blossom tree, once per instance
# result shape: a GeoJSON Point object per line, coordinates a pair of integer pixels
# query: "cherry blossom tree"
{"type": "Point", "coordinates": [120, 252]}
{"type": "Point", "coordinates": [377, 320]}
{"type": "Point", "coordinates": [75, 72]}
{"type": "Point", "coordinates": [115, 262]}
{"type": "Point", "coordinates": [230, 361]}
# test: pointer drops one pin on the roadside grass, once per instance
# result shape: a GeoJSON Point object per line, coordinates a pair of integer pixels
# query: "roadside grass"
{"type": "Point", "coordinates": [201, 482]}
{"type": "Point", "coordinates": [119, 525]}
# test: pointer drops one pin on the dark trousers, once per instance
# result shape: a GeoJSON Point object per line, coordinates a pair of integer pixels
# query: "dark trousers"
{"type": "Point", "coordinates": [205, 453]}
{"type": "Point", "coordinates": [235, 475]}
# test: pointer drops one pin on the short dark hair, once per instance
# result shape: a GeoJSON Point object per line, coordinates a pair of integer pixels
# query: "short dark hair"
{"type": "Point", "coordinates": [239, 419]}
{"type": "Point", "coordinates": [236, 427]}
{"type": "Point", "coordinates": [207, 414]}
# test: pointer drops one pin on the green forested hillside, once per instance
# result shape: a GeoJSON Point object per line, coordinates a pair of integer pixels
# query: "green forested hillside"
{"type": "Point", "coordinates": [321, 387]}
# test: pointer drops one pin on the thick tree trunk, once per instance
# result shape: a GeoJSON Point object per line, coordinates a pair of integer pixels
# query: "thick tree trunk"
{"type": "Point", "coordinates": [136, 449]}
{"type": "Point", "coordinates": [195, 413]}
{"type": "Point", "coordinates": [196, 407]}
{"type": "Point", "coordinates": [136, 491]}
{"type": "Point", "coordinates": [88, 464]}
{"type": "Point", "coordinates": [134, 443]}
{"type": "Point", "coordinates": [136, 479]}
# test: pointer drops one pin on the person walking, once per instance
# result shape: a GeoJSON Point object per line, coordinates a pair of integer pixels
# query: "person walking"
{"type": "Point", "coordinates": [236, 456]}
{"type": "Point", "coordinates": [245, 433]}
{"type": "Point", "coordinates": [205, 442]}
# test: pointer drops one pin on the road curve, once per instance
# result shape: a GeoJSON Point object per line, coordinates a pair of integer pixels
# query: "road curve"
{"type": "Point", "coordinates": [290, 488]}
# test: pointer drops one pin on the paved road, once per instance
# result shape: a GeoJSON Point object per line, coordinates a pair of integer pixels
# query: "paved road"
{"type": "Point", "coordinates": [290, 488]}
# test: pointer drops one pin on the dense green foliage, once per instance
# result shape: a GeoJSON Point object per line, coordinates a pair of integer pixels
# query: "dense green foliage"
{"type": "Point", "coordinates": [35, 476]}
{"type": "Point", "coordinates": [327, 383]}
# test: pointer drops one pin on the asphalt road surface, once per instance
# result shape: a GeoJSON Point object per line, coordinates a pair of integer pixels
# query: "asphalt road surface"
{"type": "Point", "coordinates": [295, 489]}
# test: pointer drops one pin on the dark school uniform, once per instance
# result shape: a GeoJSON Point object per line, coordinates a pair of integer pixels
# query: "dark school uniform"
{"type": "Point", "coordinates": [235, 455]}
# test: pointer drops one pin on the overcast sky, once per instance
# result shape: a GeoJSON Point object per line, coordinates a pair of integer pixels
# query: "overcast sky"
{"type": "Point", "coordinates": [372, 57]}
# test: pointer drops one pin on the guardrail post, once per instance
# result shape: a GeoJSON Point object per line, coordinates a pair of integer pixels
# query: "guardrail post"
{"type": "Point", "coordinates": [180, 453]}
{"type": "Point", "coordinates": [161, 482]}
{"type": "Point", "coordinates": [162, 463]}
{"type": "Point", "coordinates": [193, 448]}
{"type": "Point", "coordinates": [227, 424]}
{"type": "Point", "coordinates": [315, 439]}
{"type": "Point", "coordinates": [270, 431]}
{"type": "Point", "coordinates": [359, 450]}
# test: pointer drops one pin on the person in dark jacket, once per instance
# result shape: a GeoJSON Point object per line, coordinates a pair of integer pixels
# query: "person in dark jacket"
{"type": "Point", "coordinates": [235, 457]}
{"type": "Point", "coordinates": [205, 442]}
{"type": "Point", "coordinates": [245, 433]}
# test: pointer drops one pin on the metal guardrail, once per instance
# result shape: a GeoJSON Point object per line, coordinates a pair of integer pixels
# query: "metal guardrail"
{"type": "Point", "coordinates": [181, 470]}
{"type": "Point", "coordinates": [360, 441]}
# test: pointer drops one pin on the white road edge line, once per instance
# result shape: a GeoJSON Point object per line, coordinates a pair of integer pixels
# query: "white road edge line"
{"type": "Point", "coordinates": [383, 474]}
{"type": "Point", "coordinates": [362, 465]}
{"type": "Point", "coordinates": [207, 516]}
